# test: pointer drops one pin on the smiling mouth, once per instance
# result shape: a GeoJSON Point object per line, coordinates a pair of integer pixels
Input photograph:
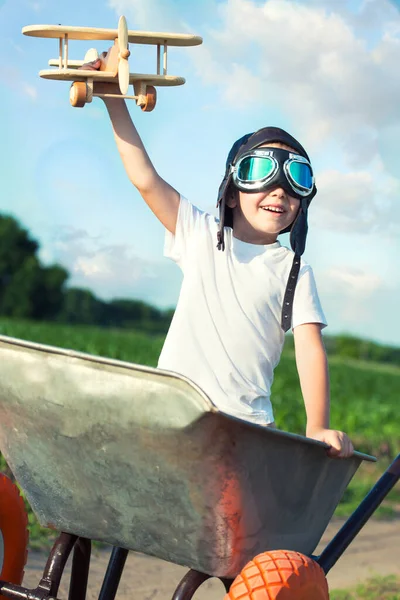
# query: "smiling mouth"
{"type": "Point", "coordinates": [274, 209]}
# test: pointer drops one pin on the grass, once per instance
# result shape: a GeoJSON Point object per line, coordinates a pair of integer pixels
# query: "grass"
{"type": "Point", "coordinates": [363, 481]}
{"type": "Point", "coordinates": [364, 397]}
{"type": "Point", "coordinates": [376, 588]}
{"type": "Point", "coordinates": [136, 347]}
{"type": "Point", "coordinates": [364, 402]}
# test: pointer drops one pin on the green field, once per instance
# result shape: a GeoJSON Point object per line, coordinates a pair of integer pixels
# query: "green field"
{"type": "Point", "coordinates": [376, 588]}
{"type": "Point", "coordinates": [364, 394]}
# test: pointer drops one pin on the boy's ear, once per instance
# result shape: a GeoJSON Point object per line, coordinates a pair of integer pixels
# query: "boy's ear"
{"type": "Point", "coordinates": [232, 197]}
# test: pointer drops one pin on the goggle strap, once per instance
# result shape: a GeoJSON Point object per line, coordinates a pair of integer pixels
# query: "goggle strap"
{"type": "Point", "coordinates": [287, 306]}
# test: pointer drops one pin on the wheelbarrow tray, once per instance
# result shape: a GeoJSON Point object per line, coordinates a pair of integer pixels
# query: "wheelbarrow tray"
{"type": "Point", "coordinates": [140, 458]}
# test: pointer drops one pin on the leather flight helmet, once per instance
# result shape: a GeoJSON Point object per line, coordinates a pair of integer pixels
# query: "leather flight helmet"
{"type": "Point", "coordinates": [298, 229]}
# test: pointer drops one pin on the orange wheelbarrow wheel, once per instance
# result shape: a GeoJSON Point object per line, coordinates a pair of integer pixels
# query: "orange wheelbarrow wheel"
{"type": "Point", "coordinates": [280, 575]}
{"type": "Point", "coordinates": [13, 533]}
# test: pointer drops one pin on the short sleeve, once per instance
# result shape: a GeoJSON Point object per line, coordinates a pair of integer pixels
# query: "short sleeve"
{"type": "Point", "coordinates": [190, 221]}
{"type": "Point", "coordinates": [307, 306]}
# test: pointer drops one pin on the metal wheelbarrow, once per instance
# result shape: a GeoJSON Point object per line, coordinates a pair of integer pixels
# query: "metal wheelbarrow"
{"type": "Point", "coordinates": [141, 459]}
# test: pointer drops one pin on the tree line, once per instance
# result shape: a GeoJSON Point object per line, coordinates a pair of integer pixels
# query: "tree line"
{"type": "Point", "coordinates": [351, 347]}
{"type": "Point", "coordinates": [30, 290]}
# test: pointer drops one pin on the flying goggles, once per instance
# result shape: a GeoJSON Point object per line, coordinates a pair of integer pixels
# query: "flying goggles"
{"type": "Point", "coordinates": [262, 168]}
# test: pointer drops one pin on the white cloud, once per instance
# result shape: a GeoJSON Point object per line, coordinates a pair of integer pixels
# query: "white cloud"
{"type": "Point", "coordinates": [314, 61]}
{"type": "Point", "coordinates": [30, 91]}
{"type": "Point", "coordinates": [347, 293]}
{"type": "Point", "coordinates": [115, 270]}
{"type": "Point", "coordinates": [360, 302]}
{"type": "Point", "coordinates": [15, 46]}
{"type": "Point", "coordinates": [150, 15]}
{"type": "Point", "coordinates": [37, 6]}
{"type": "Point", "coordinates": [357, 202]}
{"type": "Point", "coordinates": [14, 80]}
{"type": "Point", "coordinates": [366, 15]}
{"type": "Point", "coordinates": [110, 264]}
{"type": "Point", "coordinates": [67, 234]}
{"type": "Point", "coordinates": [90, 267]}
{"type": "Point", "coordinates": [343, 279]}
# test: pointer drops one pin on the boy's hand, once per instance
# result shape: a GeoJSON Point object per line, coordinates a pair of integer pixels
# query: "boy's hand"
{"type": "Point", "coordinates": [340, 443]}
{"type": "Point", "coordinates": [101, 88]}
{"type": "Point", "coordinates": [93, 65]}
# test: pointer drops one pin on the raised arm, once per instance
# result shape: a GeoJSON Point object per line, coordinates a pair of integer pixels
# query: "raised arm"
{"type": "Point", "coordinates": [162, 198]}
{"type": "Point", "coordinates": [312, 366]}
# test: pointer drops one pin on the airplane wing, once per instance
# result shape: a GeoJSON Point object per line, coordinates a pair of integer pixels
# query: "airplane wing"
{"type": "Point", "coordinates": [94, 33]}
{"type": "Point", "coordinates": [72, 74]}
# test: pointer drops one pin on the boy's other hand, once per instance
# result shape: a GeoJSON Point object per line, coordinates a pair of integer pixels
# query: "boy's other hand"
{"type": "Point", "coordinates": [339, 442]}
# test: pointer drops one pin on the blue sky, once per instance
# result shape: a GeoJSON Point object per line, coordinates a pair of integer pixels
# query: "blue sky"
{"type": "Point", "coordinates": [325, 71]}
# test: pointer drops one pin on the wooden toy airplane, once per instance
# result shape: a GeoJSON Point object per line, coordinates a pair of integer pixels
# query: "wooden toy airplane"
{"type": "Point", "coordinates": [115, 67]}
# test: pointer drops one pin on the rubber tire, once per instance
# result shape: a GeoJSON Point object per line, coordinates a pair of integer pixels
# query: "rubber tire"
{"type": "Point", "coordinates": [280, 575]}
{"type": "Point", "coordinates": [14, 530]}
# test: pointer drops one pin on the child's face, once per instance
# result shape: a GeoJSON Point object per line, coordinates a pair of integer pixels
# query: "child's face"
{"type": "Point", "coordinates": [259, 217]}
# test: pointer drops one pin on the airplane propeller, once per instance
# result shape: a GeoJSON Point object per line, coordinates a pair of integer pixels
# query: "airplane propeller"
{"type": "Point", "coordinates": [123, 65]}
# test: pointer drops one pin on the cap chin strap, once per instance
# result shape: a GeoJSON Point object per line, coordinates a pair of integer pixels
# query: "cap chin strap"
{"type": "Point", "coordinates": [298, 234]}
{"type": "Point", "coordinates": [287, 305]}
{"type": "Point", "coordinates": [221, 240]}
{"type": "Point", "coordinates": [299, 229]}
{"type": "Point", "coordinates": [221, 203]}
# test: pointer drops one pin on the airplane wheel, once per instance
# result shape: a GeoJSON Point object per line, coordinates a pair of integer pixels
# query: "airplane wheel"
{"type": "Point", "coordinates": [280, 575]}
{"type": "Point", "coordinates": [151, 99]}
{"type": "Point", "coordinates": [78, 94]}
{"type": "Point", "coordinates": [13, 533]}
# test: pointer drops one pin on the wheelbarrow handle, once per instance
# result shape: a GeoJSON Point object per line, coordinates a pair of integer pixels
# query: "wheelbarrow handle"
{"type": "Point", "coordinates": [360, 516]}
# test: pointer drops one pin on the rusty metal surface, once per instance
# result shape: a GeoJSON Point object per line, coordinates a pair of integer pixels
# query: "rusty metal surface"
{"type": "Point", "coordinates": [140, 458]}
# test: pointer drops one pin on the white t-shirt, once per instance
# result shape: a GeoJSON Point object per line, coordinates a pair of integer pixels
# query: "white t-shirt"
{"type": "Point", "coordinates": [226, 334]}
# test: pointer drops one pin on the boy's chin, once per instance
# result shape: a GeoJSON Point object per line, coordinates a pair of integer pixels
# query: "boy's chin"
{"type": "Point", "coordinates": [271, 231]}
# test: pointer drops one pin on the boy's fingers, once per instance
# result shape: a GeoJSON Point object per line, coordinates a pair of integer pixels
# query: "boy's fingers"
{"type": "Point", "coordinates": [341, 447]}
{"type": "Point", "coordinates": [334, 451]}
{"type": "Point", "coordinates": [93, 65]}
{"type": "Point", "coordinates": [349, 448]}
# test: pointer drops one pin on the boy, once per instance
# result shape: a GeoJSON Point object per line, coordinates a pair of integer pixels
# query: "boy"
{"type": "Point", "coordinates": [238, 296]}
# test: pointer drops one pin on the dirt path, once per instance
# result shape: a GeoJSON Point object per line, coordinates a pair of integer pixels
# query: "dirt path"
{"type": "Point", "coordinates": [374, 551]}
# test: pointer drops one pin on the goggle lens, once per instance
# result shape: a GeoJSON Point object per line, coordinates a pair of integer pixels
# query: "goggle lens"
{"type": "Point", "coordinates": [266, 167]}
{"type": "Point", "coordinates": [255, 168]}
{"type": "Point", "coordinates": [301, 174]}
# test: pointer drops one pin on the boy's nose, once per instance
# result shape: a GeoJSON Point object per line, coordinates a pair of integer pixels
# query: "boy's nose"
{"type": "Point", "coordinates": [278, 192]}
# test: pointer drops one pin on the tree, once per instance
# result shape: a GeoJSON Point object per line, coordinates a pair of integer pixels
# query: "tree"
{"type": "Point", "coordinates": [27, 289]}
{"type": "Point", "coordinates": [81, 306]}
